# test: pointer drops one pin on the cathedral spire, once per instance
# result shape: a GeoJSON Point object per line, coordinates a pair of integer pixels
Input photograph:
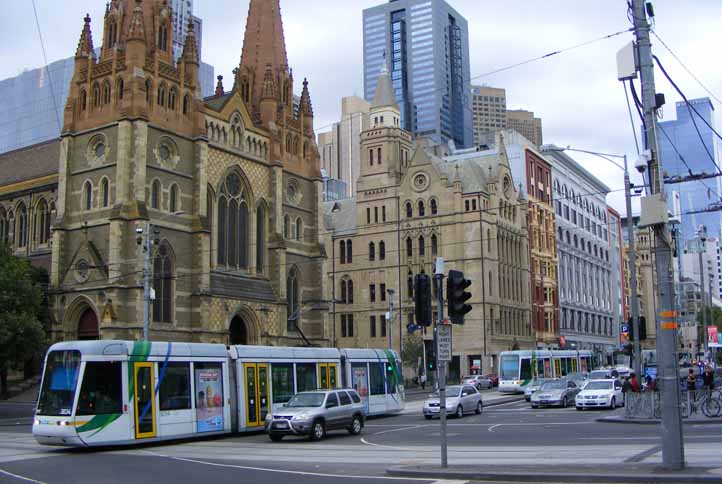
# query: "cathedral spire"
{"type": "Point", "coordinates": [384, 96]}
{"type": "Point", "coordinates": [263, 43]}
{"type": "Point", "coordinates": [85, 45]}
{"type": "Point", "coordinates": [305, 104]}
{"type": "Point", "coordinates": [190, 47]}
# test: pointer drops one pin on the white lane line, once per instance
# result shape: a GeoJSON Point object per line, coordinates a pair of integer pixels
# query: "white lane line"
{"type": "Point", "coordinates": [22, 478]}
{"type": "Point", "coordinates": [399, 430]}
{"type": "Point", "coordinates": [491, 429]}
{"type": "Point", "coordinates": [284, 471]}
{"type": "Point", "coordinates": [536, 424]}
{"type": "Point", "coordinates": [364, 441]}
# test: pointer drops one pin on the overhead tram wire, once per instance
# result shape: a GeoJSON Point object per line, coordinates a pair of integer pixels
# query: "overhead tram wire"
{"type": "Point", "coordinates": [47, 69]}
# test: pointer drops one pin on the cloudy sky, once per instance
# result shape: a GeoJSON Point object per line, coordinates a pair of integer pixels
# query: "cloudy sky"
{"type": "Point", "coordinates": [575, 93]}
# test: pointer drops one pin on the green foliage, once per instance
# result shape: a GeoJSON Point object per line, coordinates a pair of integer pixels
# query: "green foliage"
{"type": "Point", "coordinates": [22, 304]}
{"type": "Point", "coordinates": [413, 350]}
{"type": "Point", "coordinates": [716, 319]}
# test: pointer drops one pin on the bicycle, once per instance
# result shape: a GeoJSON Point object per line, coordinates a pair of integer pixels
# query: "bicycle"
{"type": "Point", "coordinates": [712, 404]}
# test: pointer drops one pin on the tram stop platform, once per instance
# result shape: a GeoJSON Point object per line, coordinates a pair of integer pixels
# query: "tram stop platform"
{"type": "Point", "coordinates": [632, 473]}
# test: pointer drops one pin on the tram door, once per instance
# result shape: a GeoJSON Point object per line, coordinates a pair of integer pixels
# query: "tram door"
{"type": "Point", "coordinates": [327, 376]}
{"type": "Point", "coordinates": [256, 381]}
{"type": "Point", "coordinates": [144, 403]}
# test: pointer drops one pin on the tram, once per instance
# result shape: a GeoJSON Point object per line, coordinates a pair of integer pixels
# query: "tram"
{"type": "Point", "coordinates": [519, 367]}
{"type": "Point", "coordinates": [121, 392]}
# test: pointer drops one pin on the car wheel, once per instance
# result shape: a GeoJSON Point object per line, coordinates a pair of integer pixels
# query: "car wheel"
{"type": "Point", "coordinates": [356, 426]}
{"type": "Point", "coordinates": [318, 431]}
{"type": "Point", "coordinates": [564, 402]}
{"type": "Point", "coordinates": [275, 437]}
{"type": "Point", "coordinates": [459, 412]}
{"type": "Point", "coordinates": [534, 406]}
{"type": "Point", "coordinates": [613, 403]}
{"type": "Point", "coordinates": [427, 417]}
{"type": "Point", "coordinates": [479, 408]}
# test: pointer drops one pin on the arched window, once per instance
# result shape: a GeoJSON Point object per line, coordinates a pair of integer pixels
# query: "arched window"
{"type": "Point", "coordinates": [299, 229]}
{"type": "Point", "coordinates": [410, 284]}
{"type": "Point", "coordinates": [173, 199]}
{"type": "Point", "coordinates": [104, 192]}
{"type": "Point", "coordinates": [260, 239]}
{"type": "Point", "coordinates": [163, 37]}
{"type": "Point", "coordinates": [409, 210]}
{"type": "Point", "coordinates": [155, 195]}
{"type": "Point", "coordinates": [172, 95]}
{"type": "Point", "coordinates": [342, 250]}
{"type": "Point", "coordinates": [344, 292]}
{"type": "Point", "coordinates": [422, 211]}
{"type": "Point", "coordinates": [288, 143]}
{"type": "Point", "coordinates": [372, 251]}
{"type": "Point", "coordinates": [83, 100]}
{"type": "Point", "coordinates": [409, 247]}
{"type": "Point", "coordinates": [293, 305]}
{"type": "Point", "coordinates": [349, 251]}
{"type": "Point", "coordinates": [161, 95]}
{"type": "Point", "coordinates": [380, 158]}
{"type": "Point", "coordinates": [163, 285]}
{"type": "Point", "coordinates": [148, 92]}
{"type": "Point", "coordinates": [371, 157]}
{"type": "Point", "coordinates": [434, 245]}
{"type": "Point", "coordinates": [96, 95]}
{"type": "Point", "coordinates": [119, 88]}
{"type": "Point", "coordinates": [245, 90]}
{"type": "Point", "coordinates": [422, 246]}
{"type": "Point", "coordinates": [349, 287]}
{"type": "Point", "coordinates": [233, 229]}
{"type": "Point", "coordinates": [4, 228]}
{"type": "Point", "coordinates": [112, 33]}
{"type": "Point", "coordinates": [434, 207]}
{"type": "Point", "coordinates": [286, 227]}
{"type": "Point", "coordinates": [106, 92]}
{"type": "Point", "coordinates": [41, 227]}
{"type": "Point", "coordinates": [88, 196]}
{"type": "Point", "coordinates": [382, 250]}
{"type": "Point", "coordinates": [186, 104]}
{"type": "Point", "coordinates": [21, 226]}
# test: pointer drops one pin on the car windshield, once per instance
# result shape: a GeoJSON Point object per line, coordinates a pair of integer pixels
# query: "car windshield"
{"type": "Point", "coordinates": [59, 383]}
{"type": "Point", "coordinates": [451, 391]}
{"type": "Point", "coordinates": [535, 382]}
{"type": "Point", "coordinates": [598, 374]}
{"type": "Point", "coordinates": [554, 385]}
{"type": "Point", "coordinates": [307, 400]}
{"type": "Point", "coordinates": [599, 385]}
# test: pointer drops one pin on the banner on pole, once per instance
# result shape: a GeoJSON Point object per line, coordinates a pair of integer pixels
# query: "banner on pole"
{"type": "Point", "coordinates": [714, 337]}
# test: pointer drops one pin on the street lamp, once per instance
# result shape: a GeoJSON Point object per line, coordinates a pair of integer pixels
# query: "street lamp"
{"type": "Point", "coordinates": [702, 238]}
{"type": "Point", "coordinates": [630, 235]}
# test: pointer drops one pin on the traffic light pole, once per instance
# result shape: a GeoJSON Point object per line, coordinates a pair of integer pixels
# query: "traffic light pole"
{"type": "Point", "coordinates": [637, 357]}
{"type": "Point", "coordinates": [441, 369]}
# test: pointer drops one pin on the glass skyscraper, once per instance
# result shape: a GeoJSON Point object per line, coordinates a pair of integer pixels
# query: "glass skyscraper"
{"type": "Point", "coordinates": [693, 195]}
{"type": "Point", "coordinates": [425, 44]}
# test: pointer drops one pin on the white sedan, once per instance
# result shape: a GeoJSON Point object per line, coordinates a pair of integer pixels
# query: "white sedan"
{"type": "Point", "coordinates": [460, 399]}
{"type": "Point", "coordinates": [600, 393]}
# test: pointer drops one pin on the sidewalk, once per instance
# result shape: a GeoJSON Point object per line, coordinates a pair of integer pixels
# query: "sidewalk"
{"type": "Point", "coordinates": [620, 419]}
{"type": "Point", "coordinates": [578, 473]}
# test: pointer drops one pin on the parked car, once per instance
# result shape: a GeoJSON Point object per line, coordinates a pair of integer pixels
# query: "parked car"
{"type": "Point", "coordinates": [316, 412]}
{"type": "Point", "coordinates": [579, 379]}
{"type": "Point", "coordinates": [600, 393]}
{"type": "Point", "coordinates": [557, 392]}
{"type": "Point", "coordinates": [603, 374]}
{"type": "Point", "coordinates": [533, 386]}
{"type": "Point", "coordinates": [460, 399]}
{"type": "Point", "coordinates": [478, 381]}
{"type": "Point", "coordinates": [494, 378]}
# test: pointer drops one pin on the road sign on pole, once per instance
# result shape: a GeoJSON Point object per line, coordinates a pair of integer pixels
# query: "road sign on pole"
{"type": "Point", "coordinates": [443, 341]}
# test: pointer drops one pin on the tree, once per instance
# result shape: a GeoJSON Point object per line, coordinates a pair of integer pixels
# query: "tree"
{"type": "Point", "coordinates": [716, 319]}
{"type": "Point", "coordinates": [413, 350]}
{"type": "Point", "coordinates": [21, 305]}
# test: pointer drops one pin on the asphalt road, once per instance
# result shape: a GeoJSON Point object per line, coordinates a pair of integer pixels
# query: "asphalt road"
{"type": "Point", "coordinates": [503, 435]}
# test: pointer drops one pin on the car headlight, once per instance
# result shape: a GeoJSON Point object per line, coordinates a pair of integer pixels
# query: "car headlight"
{"type": "Point", "coordinates": [301, 416]}
{"type": "Point", "coordinates": [269, 416]}
{"type": "Point", "coordinates": [36, 422]}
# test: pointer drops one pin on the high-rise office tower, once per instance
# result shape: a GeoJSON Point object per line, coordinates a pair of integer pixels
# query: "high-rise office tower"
{"type": "Point", "coordinates": [488, 105]}
{"type": "Point", "coordinates": [526, 124]}
{"type": "Point", "coordinates": [425, 45]}
{"type": "Point", "coordinates": [679, 143]}
{"type": "Point", "coordinates": [182, 14]}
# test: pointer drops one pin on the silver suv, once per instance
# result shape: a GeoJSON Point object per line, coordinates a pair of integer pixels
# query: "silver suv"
{"type": "Point", "coordinates": [315, 412]}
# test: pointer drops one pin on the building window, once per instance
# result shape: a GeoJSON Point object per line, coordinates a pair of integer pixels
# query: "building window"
{"type": "Point", "coordinates": [148, 91]}
{"type": "Point", "coordinates": [171, 98]}
{"type": "Point", "coordinates": [342, 252]}
{"type": "Point", "coordinates": [349, 251]}
{"type": "Point", "coordinates": [383, 213]}
{"type": "Point", "coordinates": [21, 226]}
{"type": "Point", "coordinates": [368, 215]}
{"type": "Point", "coordinates": [422, 246]}
{"type": "Point", "coordinates": [371, 157]}
{"type": "Point", "coordinates": [466, 205]}
{"type": "Point", "coordinates": [376, 215]}
{"type": "Point", "coordinates": [104, 192]}
{"type": "Point", "coordinates": [410, 284]}
{"type": "Point", "coordinates": [106, 92]}
{"type": "Point", "coordinates": [409, 247]}
{"type": "Point", "coordinates": [173, 199]}
{"type": "Point", "coordinates": [378, 152]}
{"type": "Point", "coordinates": [434, 245]}
{"type": "Point", "coordinates": [372, 251]}
{"type": "Point", "coordinates": [382, 250]}
{"type": "Point", "coordinates": [382, 320]}
{"type": "Point", "coordinates": [155, 195]}
{"type": "Point", "coordinates": [293, 308]}
{"type": "Point", "coordinates": [83, 100]}
{"type": "Point", "coordinates": [88, 196]}
{"type": "Point", "coordinates": [409, 210]}
{"type": "Point", "coordinates": [233, 225]}
{"type": "Point", "coordinates": [299, 229]}
{"type": "Point", "coordinates": [260, 239]}
{"type": "Point", "coordinates": [434, 208]}
{"type": "Point", "coordinates": [382, 292]}
{"type": "Point", "coordinates": [372, 326]}
{"type": "Point", "coordinates": [422, 211]}
{"type": "Point", "coordinates": [372, 293]}
{"type": "Point", "coordinates": [163, 38]}
{"type": "Point", "coordinates": [163, 285]}
{"type": "Point", "coordinates": [186, 104]}
{"type": "Point", "coordinates": [96, 95]}
{"type": "Point", "coordinates": [349, 295]}
{"type": "Point", "coordinates": [161, 95]}
{"type": "Point", "coordinates": [286, 227]}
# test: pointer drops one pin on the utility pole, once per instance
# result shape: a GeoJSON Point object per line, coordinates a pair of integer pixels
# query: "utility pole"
{"type": "Point", "coordinates": [441, 364]}
{"type": "Point", "coordinates": [702, 239]}
{"type": "Point", "coordinates": [671, 428]}
{"type": "Point", "coordinates": [147, 248]}
{"type": "Point", "coordinates": [390, 292]}
{"type": "Point", "coordinates": [632, 272]}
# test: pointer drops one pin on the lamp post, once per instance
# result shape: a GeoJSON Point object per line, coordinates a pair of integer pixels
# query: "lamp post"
{"type": "Point", "coordinates": [391, 320]}
{"type": "Point", "coordinates": [630, 236]}
{"type": "Point", "coordinates": [702, 240]}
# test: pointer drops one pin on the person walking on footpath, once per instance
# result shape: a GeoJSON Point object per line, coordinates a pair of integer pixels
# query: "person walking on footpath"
{"type": "Point", "coordinates": [691, 382]}
{"type": "Point", "coordinates": [633, 383]}
{"type": "Point", "coordinates": [626, 388]}
{"type": "Point", "coordinates": [708, 379]}
{"type": "Point", "coordinates": [422, 379]}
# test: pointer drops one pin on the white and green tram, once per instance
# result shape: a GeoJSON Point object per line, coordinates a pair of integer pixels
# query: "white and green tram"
{"type": "Point", "coordinates": [517, 368]}
{"type": "Point", "coordinates": [120, 392]}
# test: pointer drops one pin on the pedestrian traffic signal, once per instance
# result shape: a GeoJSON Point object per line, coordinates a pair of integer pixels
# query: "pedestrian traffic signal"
{"type": "Point", "coordinates": [457, 296]}
{"type": "Point", "coordinates": [422, 299]}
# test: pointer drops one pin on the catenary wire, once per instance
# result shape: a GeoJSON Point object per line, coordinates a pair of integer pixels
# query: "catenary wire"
{"type": "Point", "coordinates": [45, 58]}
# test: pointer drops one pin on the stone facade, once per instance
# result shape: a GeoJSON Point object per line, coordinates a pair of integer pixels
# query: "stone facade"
{"type": "Point", "coordinates": [412, 206]}
{"type": "Point", "coordinates": [228, 188]}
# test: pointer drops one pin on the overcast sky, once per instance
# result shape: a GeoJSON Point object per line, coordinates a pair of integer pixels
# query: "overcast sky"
{"type": "Point", "coordinates": [575, 93]}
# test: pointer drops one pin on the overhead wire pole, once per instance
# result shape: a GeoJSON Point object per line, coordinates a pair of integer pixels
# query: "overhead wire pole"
{"type": "Point", "coordinates": [671, 428]}
{"type": "Point", "coordinates": [633, 273]}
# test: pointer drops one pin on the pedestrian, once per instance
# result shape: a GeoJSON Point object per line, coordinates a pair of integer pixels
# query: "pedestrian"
{"type": "Point", "coordinates": [422, 379]}
{"type": "Point", "coordinates": [708, 379]}
{"type": "Point", "coordinates": [691, 381]}
{"type": "Point", "coordinates": [626, 388]}
{"type": "Point", "coordinates": [649, 383]}
{"type": "Point", "coordinates": [633, 383]}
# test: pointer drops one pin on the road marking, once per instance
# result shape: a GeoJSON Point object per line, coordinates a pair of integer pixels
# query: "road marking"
{"type": "Point", "coordinates": [399, 430]}
{"type": "Point", "coordinates": [536, 424]}
{"type": "Point", "coordinates": [22, 478]}
{"type": "Point", "coordinates": [644, 454]}
{"type": "Point", "coordinates": [283, 471]}
{"type": "Point", "coordinates": [364, 441]}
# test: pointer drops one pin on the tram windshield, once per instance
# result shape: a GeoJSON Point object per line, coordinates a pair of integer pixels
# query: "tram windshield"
{"type": "Point", "coordinates": [59, 383]}
{"type": "Point", "coordinates": [307, 400]}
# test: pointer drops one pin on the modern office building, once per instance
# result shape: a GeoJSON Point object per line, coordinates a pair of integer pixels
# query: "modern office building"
{"type": "Point", "coordinates": [488, 106]}
{"type": "Point", "coordinates": [425, 45]}
{"type": "Point", "coordinates": [32, 103]}
{"type": "Point", "coordinates": [182, 13]}
{"type": "Point", "coordinates": [682, 150]}
{"type": "Point", "coordinates": [525, 123]}
{"type": "Point", "coordinates": [340, 148]}
{"type": "Point", "coordinates": [586, 289]}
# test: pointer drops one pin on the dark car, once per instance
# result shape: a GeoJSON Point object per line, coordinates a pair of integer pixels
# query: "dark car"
{"type": "Point", "coordinates": [494, 378]}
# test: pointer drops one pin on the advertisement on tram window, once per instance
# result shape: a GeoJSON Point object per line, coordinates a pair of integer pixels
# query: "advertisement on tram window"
{"type": "Point", "coordinates": [360, 382]}
{"type": "Point", "coordinates": [209, 397]}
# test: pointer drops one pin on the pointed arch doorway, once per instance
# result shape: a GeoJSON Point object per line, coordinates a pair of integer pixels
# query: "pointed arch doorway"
{"type": "Point", "coordinates": [238, 331]}
{"type": "Point", "coordinates": [88, 326]}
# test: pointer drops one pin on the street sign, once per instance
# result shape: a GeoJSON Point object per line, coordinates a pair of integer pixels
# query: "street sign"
{"type": "Point", "coordinates": [443, 342]}
{"type": "Point", "coordinates": [625, 329]}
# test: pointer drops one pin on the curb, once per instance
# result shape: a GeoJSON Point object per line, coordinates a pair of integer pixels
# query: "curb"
{"type": "Point", "coordinates": [694, 475]}
{"type": "Point", "coordinates": [644, 421]}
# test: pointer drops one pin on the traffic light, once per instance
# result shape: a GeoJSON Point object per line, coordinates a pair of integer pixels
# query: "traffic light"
{"type": "Point", "coordinates": [457, 296]}
{"type": "Point", "coordinates": [430, 355]}
{"type": "Point", "coordinates": [422, 299]}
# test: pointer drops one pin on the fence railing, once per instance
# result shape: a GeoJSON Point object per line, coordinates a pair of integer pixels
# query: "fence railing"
{"type": "Point", "coordinates": [647, 405]}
